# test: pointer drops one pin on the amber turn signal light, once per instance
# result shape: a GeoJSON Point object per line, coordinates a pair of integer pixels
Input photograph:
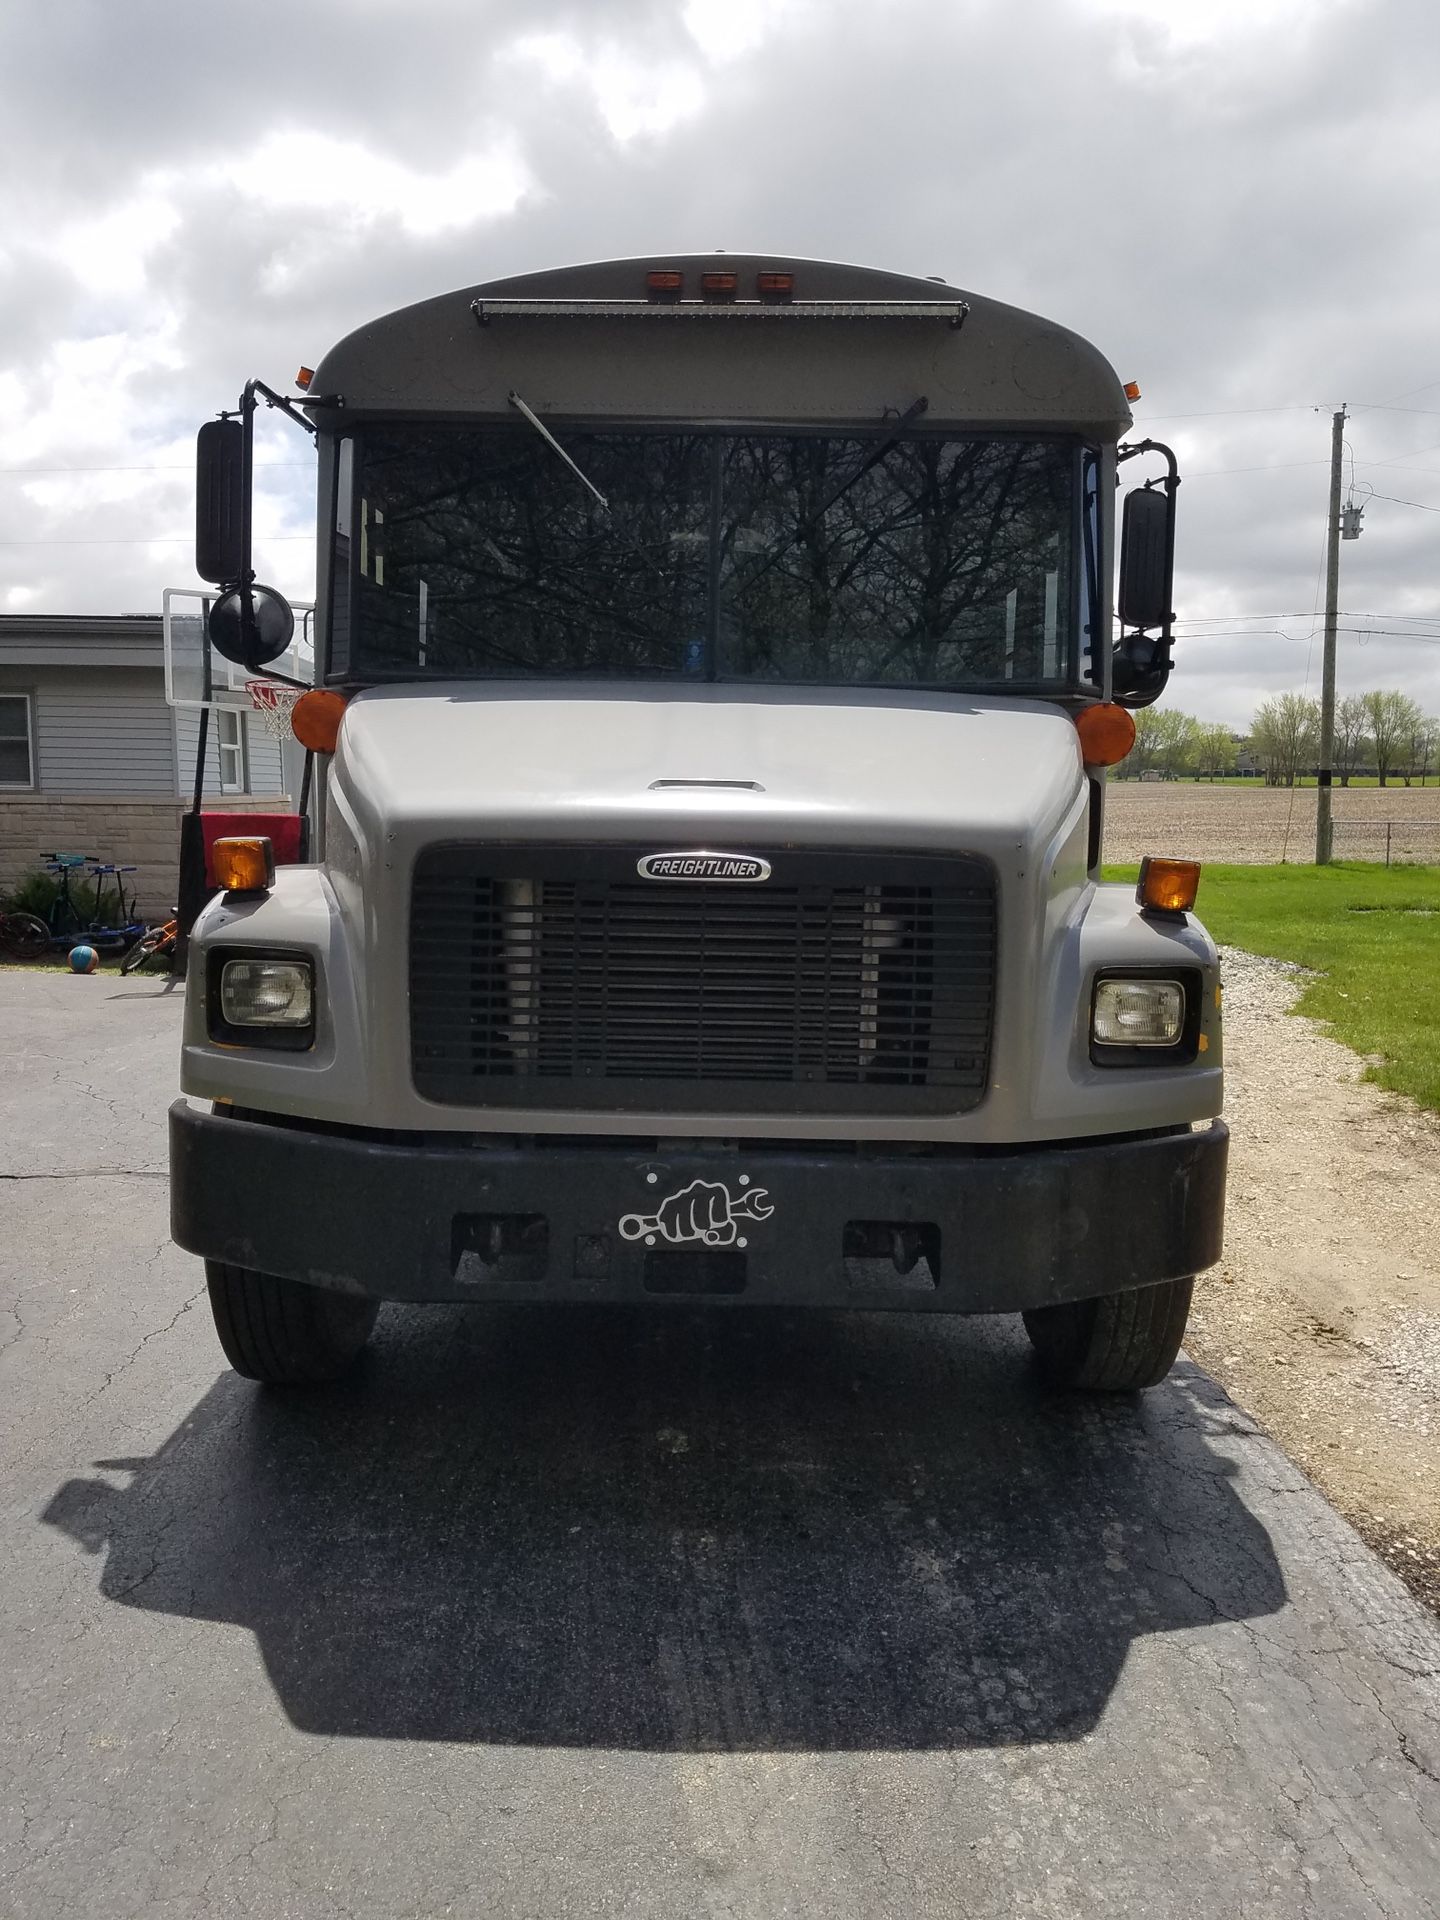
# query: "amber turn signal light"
{"type": "Point", "coordinates": [1168, 886]}
{"type": "Point", "coordinates": [243, 865]}
{"type": "Point", "coordinates": [304, 377]}
{"type": "Point", "coordinates": [1132, 389]}
{"type": "Point", "coordinates": [1107, 733]}
{"type": "Point", "coordinates": [315, 719]}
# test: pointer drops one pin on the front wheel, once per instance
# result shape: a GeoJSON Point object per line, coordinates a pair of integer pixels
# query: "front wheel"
{"type": "Point", "coordinates": [1116, 1343]}
{"type": "Point", "coordinates": [24, 935]}
{"type": "Point", "coordinates": [282, 1332]}
{"type": "Point", "coordinates": [147, 947]}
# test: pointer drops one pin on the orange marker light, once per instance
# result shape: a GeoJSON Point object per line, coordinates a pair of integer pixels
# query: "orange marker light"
{"type": "Point", "coordinates": [315, 719]}
{"type": "Point", "coordinates": [1107, 733]}
{"type": "Point", "coordinates": [243, 865]}
{"type": "Point", "coordinates": [304, 377]}
{"type": "Point", "coordinates": [1132, 389]}
{"type": "Point", "coordinates": [775, 286]}
{"type": "Point", "coordinates": [1168, 886]}
{"type": "Point", "coordinates": [666, 285]}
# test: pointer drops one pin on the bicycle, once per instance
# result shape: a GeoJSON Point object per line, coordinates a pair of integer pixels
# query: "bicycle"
{"type": "Point", "coordinates": [24, 936]}
{"type": "Point", "coordinates": [126, 926]}
{"type": "Point", "coordinates": [62, 916]}
{"type": "Point", "coordinates": [156, 943]}
{"type": "Point", "coordinates": [29, 935]}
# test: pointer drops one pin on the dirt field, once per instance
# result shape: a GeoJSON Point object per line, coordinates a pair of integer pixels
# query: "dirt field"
{"type": "Point", "coordinates": [1324, 1317]}
{"type": "Point", "coordinates": [1264, 824]}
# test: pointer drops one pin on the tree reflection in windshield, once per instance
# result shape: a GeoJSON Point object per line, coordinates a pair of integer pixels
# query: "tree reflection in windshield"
{"type": "Point", "coordinates": [740, 556]}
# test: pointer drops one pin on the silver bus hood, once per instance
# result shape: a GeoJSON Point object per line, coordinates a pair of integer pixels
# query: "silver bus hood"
{"type": "Point", "coordinates": [709, 767]}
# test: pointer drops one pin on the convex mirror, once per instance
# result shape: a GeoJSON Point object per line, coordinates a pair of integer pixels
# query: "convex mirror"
{"type": "Point", "coordinates": [251, 625]}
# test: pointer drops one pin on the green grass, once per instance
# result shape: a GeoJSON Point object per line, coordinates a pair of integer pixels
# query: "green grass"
{"type": "Point", "coordinates": [1371, 933]}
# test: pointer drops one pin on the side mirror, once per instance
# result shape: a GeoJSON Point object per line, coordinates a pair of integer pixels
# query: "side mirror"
{"type": "Point", "coordinates": [251, 625]}
{"type": "Point", "coordinates": [1147, 558]}
{"type": "Point", "coordinates": [220, 502]}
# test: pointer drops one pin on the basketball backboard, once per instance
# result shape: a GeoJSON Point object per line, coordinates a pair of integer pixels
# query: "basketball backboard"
{"type": "Point", "coordinates": [197, 676]}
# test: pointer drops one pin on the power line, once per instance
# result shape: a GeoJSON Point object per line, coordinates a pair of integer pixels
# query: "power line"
{"type": "Point", "coordinates": [154, 467]}
{"type": "Point", "coordinates": [1226, 413]}
{"type": "Point", "coordinates": [161, 540]}
{"type": "Point", "coordinates": [1307, 613]}
{"type": "Point", "coordinates": [1411, 391]}
{"type": "Point", "coordinates": [1273, 466]}
{"type": "Point", "coordinates": [1404, 503]}
{"type": "Point", "coordinates": [1303, 639]}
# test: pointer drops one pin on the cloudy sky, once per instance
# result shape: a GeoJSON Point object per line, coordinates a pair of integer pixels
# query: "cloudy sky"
{"type": "Point", "coordinates": [1235, 199]}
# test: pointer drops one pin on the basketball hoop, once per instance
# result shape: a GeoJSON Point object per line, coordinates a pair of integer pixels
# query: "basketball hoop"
{"type": "Point", "coordinates": [273, 701]}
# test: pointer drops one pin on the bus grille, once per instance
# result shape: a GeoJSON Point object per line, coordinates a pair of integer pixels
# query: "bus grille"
{"type": "Point", "coordinates": [560, 979]}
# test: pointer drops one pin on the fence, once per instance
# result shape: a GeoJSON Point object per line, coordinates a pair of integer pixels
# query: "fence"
{"type": "Point", "coordinates": [1396, 842]}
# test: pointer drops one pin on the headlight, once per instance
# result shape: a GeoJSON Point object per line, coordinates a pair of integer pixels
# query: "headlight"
{"type": "Point", "coordinates": [261, 1000]}
{"type": "Point", "coordinates": [1138, 1013]}
{"type": "Point", "coordinates": [267, 993]}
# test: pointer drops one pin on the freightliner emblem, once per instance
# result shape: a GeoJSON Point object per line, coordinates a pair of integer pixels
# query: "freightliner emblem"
{"type": "Point", "coordinates": [702, 866]}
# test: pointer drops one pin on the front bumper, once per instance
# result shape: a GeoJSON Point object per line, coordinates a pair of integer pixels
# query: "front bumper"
{"type": "Point", "coordinates": [427, 1218]}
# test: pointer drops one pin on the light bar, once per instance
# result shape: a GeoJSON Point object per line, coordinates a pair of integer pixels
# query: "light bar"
{"type": "Point", "coordinates": [953, 312]}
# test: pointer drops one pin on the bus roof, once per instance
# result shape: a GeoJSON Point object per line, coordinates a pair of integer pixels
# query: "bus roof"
{"type": "Point", "coordinates": [851, 346]}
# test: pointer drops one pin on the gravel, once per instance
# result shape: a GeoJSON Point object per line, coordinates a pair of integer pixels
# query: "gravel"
{"type": "Point", "coordinates": [1324, 1316]}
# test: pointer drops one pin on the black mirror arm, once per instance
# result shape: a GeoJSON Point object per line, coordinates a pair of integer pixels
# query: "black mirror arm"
{"type": "Point", "coordinates": [1140, 658]}
{"type": "Point", "coordinates": [254, 392]}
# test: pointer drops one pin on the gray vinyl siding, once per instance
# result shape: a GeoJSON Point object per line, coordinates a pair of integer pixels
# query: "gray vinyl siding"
{"type": "Point", "coordinates": [262, 757]}
{"type": "Point", "coordinates": [97, 730]}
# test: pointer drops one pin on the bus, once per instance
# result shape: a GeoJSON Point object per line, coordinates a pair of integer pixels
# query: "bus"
{"type": "Point", "coordinates": [718, 660]}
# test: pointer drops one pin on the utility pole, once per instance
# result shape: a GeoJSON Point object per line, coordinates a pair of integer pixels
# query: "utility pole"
{"type": "Point", "coordinates": [1324, 835]}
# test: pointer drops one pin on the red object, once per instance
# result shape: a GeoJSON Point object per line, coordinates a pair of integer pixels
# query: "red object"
{"type": "Point", "coordinates": [281, 829]}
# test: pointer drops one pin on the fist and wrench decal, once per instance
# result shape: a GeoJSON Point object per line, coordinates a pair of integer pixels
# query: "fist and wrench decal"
{"type": "Point", "coordinates": [705, 1212]}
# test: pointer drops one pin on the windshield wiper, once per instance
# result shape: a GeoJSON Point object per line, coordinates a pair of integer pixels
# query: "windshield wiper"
{"type": "Point", "coordinates": [545, 434]}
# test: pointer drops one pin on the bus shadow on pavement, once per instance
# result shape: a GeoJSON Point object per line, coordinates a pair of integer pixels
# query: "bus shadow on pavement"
{"type": "Point", "coordinates": [668, 1531]}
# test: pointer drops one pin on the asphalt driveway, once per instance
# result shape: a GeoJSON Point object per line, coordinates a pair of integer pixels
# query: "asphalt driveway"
{"type": "Point", "coordinates": [656, 1614]}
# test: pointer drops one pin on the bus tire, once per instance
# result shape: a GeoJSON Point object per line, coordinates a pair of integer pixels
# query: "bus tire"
{"type": "Point", "coordinates": [1116, 1343]}
{"type": "Point", "coordinates": [282, 1332]}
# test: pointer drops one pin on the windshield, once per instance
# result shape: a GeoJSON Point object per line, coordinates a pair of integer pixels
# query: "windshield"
{"type": "Point", "coordinates": [841, 559]}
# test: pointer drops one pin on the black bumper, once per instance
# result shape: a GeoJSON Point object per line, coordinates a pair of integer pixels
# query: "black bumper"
{"type": "Point", "coordinates": [427, 1219]}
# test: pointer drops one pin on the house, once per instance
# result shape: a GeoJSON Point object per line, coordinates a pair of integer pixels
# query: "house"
{"type": "Point", "coordinates": [93, 759]}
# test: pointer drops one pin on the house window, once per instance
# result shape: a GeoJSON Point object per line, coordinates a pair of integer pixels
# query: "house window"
{"type": "Point", "coordinates": [17, 758]}
{"type": "Point", "coordinates": [230, 744]}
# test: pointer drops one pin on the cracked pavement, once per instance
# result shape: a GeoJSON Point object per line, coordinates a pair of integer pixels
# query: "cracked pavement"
{"type": "Point", "coordinates": [557, 1612]}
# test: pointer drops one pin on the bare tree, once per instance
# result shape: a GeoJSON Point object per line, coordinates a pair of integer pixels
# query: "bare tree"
{"type": "Point", "coordinates": [1284, 736]}
{"type": "Point", "coordinates": [1215, 749]}
{"type": "Point", "coordinates": [1420, 748]}
{"type": "Point", "coordinates": [1393, 719]}
{"type": "Point", "coordinates": [1352, 737]}
{"type": "Point", "coordinates": [1164, 743]}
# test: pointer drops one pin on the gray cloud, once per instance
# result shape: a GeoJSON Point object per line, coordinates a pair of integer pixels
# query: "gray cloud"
{"type": "Point", "coordinates": [1246, 222]}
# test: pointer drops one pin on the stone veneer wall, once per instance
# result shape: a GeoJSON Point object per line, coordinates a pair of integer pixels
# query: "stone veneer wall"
{"type": "Point", "coordinates": [131, 832]}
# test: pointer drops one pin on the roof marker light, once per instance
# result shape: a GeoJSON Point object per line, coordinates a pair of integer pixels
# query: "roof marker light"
{"type": "Point", "coordinates": [666, 285]}
{"type": "Point", "coordinates": [775, 286]}
{"type": "Point", "coordinates": [718, 286]}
